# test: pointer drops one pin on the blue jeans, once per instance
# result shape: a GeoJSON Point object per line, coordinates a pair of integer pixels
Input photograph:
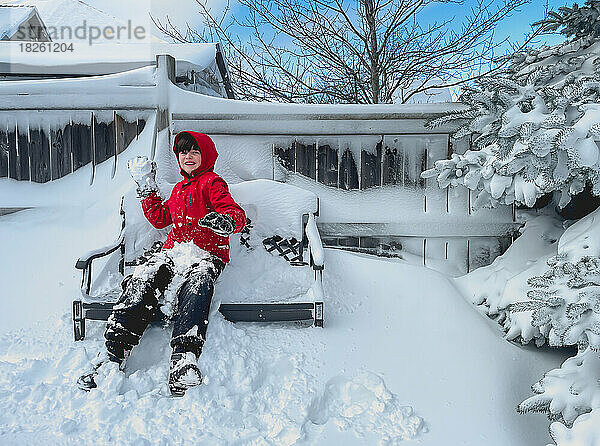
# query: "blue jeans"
{"type": "Point", "coordinates": [138, 305]}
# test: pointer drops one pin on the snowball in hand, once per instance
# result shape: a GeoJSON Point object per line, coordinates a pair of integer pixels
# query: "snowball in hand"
{"type": "Point", "coordinates": [143, 172]}
{"type": "Point", "coordinates": [140, 166]}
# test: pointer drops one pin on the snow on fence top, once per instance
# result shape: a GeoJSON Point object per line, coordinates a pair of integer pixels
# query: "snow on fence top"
{"type": "Point", "coordinates": [278, 118]}
{"type": "Point", "coordinates": [262, 118]}
{"type": "Point", "coordinates": [132, 89]}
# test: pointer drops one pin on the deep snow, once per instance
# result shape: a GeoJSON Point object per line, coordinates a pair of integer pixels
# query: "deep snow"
{"type": "Point", "coordinates": [396, 336]}
{"type": "Point", "coordinates": [402, 354]}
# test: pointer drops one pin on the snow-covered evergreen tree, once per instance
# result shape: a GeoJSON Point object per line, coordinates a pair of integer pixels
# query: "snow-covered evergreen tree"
{"type": "Point", "coordinates": [535, 129]}
{"type": "Point", "coordinates": [569, 391]}
{"type": "Point", "coordinates": [564, 304]}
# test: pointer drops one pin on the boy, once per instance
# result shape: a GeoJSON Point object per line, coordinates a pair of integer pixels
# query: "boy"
{"type": "Point", "coordinates": [203, 215]}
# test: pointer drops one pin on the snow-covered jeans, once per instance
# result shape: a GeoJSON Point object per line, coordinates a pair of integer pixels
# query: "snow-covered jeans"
{"type": "Point", "coordinates": [179, 279]}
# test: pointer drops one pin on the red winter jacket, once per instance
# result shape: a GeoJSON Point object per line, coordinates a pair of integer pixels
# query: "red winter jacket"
{"type": "Point", "coordinates": [192, 198]}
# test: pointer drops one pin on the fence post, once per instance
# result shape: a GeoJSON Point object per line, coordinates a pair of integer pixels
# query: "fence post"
{"type": "Point", "coordinates": [165, 66]}
{"type": "Point", "coordinates": [93, 146]}
{"type": "Point", "coordinates": [468, 256]}
{"type": "Point", "coordinates": [4, 153]}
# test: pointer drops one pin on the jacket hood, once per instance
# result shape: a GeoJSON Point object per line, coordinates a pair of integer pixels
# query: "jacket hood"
{"type": "Point", "coordinates": [207, 149]}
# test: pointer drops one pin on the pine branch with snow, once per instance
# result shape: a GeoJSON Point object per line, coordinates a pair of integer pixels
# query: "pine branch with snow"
{"type": "Point", "coordinates": [537, 128]}
{"type": "Point", "coordinates": [569, 391]}
{"type": "Point", "coordinates": [575, 21]}
{"type": "Point", "coordinates": [565, 302]}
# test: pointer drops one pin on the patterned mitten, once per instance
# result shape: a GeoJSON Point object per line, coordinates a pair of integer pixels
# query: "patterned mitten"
{"type": "Point", "coordinates": [221, 224]}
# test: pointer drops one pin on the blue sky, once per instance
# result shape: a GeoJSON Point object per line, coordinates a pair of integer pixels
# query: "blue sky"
{"type": "Point", "coordinates": [519, 23]}
{"type": "Point", "coordinates": [182, 11]}
{"type": "Point", "coordinates": [513, 27]}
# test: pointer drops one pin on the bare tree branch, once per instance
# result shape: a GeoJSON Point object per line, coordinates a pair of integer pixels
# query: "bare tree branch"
{"type": "Point", "coordinates": [351, 51]}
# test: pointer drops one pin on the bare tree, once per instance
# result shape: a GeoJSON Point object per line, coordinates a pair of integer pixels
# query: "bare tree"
{"type": "Point", "coordinates": [355, 51]}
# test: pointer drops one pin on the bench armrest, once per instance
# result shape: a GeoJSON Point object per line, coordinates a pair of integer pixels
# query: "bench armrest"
{"type": "Point", "coordinates": [84, 263]}
{"type": "Point", "coordinates": [85, 260]}
{"type": "Point", "coordinates": [314, 242]}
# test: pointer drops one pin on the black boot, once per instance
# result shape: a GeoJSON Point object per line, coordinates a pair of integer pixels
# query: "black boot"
{"type": "Point", "coordinates": [87, 381]}
{"type": "Point", "coordinates": [183, 372]}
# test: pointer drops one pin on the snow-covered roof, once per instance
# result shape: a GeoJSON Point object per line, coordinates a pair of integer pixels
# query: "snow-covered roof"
{"type": "Point", "coordinates": [12, 17]}
{"type": "Point", "coordinates": [71, 14]}
{"type": "Point", "coordinates": [115, 47]}
{"type": "Point", "coordinates": [104, 58]}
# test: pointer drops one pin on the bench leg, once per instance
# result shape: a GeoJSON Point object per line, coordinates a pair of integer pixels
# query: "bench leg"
{"type": "Point", "coordinates": [78, 320]}
{"type": "Point", "coordinates": [318, 314]}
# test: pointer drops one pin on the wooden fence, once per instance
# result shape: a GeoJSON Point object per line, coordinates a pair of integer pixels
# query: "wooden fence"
{"type": "Point", "coordinates": [345, 154]}
{"type": "Point", "coordinates": [398, 161]}
{"type": "Point", "coordinates": [386, 162]}
{"type": "Point", "coordinates": [38, 152]}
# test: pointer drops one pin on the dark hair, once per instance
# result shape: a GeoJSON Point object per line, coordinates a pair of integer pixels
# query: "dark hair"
{"type": "Point", "coordinates": [184, 142]}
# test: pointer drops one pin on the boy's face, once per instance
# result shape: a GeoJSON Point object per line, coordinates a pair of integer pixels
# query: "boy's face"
{"type": "Point", "coordinates": [190, 160]}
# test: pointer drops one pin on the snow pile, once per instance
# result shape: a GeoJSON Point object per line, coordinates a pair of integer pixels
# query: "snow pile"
{"type": "Point", "coordinates": [270, 384]}
{"type": "Point", "coordinates": [545, 288]}
{"type": "Point", "coordinates": [274, 208]}
{"type": "Point", "coordinates": [364, 404]}
{"type": "Point", "coordinates": [495, 287]}
{"type": "Point", "coordinates": [259, 387]}
{"type": "Point", "coordinates": [393, 361]}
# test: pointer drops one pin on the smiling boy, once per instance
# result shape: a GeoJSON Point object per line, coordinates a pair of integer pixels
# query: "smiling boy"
{"type": "Point", "coordinates": [203, 215]}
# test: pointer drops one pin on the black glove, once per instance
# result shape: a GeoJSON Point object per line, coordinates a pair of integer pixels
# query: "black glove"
{"type": "Point", "coordinates": [221, 224]}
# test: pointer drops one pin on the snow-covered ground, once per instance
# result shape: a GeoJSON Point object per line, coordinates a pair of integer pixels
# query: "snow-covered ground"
{"type": "Point", "coordinates": [403, 356]}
